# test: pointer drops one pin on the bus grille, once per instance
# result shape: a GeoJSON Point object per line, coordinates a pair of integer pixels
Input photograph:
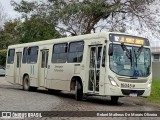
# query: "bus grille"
{"type": "Point", "coordinates": [132, 80]}
{"type": "Point", "coordinates": [127, 92]}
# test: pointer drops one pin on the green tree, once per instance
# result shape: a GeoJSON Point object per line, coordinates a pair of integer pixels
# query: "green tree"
{"type": "Point", "coordinates": [9, 33]}
{"type": "Point", "coordinates": [3, 16]}
{"type": "Point", "coordinates": [36, 29]}
{"type": "Point", "coordinates": [3, 54]}
{"type": "Point", "coordinates": [84, 17]}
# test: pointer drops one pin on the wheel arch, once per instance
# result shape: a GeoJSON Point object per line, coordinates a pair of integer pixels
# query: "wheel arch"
{"type": "Point", "coordinates": [73, 82]}
{"type": "Point", "coordinates": [25, 74]}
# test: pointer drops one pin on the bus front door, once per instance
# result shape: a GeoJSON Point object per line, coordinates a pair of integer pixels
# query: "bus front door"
{"type": "Point", "coordinates": [43, 67]}
{"type": "Point", "coordinates": [94, 68]}
{"type": "Point", "coordinates": [18, 68]}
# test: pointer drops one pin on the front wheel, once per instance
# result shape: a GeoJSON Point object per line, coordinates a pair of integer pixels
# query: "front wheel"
{"type": "Point", "coordinates": [78, 91]}
{"type": "Point", "coordinates": [114, 99]}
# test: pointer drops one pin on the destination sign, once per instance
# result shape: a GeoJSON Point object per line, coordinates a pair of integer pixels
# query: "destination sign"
{"type": "Point", "coordinates": [128, 39]}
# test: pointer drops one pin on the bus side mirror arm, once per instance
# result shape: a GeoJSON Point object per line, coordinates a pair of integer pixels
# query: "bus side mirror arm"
{"type": "Point", "coordinates": [110, 51]}
{"type": "Point", "coordinates": [104, 56]}
{"type": "Point", "coordinates": [103, 64]}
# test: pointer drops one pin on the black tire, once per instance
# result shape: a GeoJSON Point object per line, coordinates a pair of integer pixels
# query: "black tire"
{"type": "Point", "coordinates": [114, 99]}
{"type": "Point", "coordinates": [26, 84]}
{"type": "Point", "coordinates": [78, 91]}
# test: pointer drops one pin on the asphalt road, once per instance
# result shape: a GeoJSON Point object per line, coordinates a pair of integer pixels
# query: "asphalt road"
{"type": "Point", "coordinates": [13, 98]}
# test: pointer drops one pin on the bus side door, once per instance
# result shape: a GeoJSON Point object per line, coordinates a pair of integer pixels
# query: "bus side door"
{"type": "Point", "coordinates": [43, 67]}
{"type": "Point", "coordinates": [96, 73]}
{"type": "Point", "coordinates": [18, 67]}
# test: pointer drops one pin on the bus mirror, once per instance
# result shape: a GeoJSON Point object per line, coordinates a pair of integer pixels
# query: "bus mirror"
{"type": "Point", "coordinates": [110, 51]}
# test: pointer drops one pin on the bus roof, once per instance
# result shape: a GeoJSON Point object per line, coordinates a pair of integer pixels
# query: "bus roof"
{"type": "Point", "coordinates": [67, 39]}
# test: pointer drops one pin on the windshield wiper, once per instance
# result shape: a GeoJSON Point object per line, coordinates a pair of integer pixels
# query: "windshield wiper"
{"type": "Point", "coordinates": [135, 57]}
{"type": "Point", "coordinates": [128, 54]}
{"type": "Point", "coordinates": [138, 53]}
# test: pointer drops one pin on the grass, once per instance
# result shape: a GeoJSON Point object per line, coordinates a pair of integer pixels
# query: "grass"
{"type": "Point", "coordinates": [155, 92]}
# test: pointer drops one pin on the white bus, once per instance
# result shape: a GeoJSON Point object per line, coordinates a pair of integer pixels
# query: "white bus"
{"type": "Point", "coordinates": [104, 64]}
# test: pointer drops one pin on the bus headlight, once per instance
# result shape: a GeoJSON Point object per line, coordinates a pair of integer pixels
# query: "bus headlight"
{"type": "Point", "coordinates": [149, 85]}
{"type": "Point", "coordinates": [113, 82]}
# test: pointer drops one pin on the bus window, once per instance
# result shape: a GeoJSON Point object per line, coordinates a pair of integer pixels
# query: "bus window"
{"type": "Point", "coordinates": [11, 53]}
{"type": "Point", "coordinates": [32, 54]}
{"type": "Point", "coordinates": [44, 61]}
{"type": "Point", "coordinates": [75, 53]}
{"type": "Point", "coordinates": [19, 57]}
{"type": "Point", "coordinates": [59, 53]}
{"type": "Point", "coordinates": [24, 60]}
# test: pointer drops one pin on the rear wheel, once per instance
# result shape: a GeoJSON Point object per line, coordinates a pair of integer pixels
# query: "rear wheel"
{"type": "Point", "coordinates": [78, 91]}
{"type": "Point", "coordinates": [26, 84]}
{"type": "Point", "coordinates": [114, 99]}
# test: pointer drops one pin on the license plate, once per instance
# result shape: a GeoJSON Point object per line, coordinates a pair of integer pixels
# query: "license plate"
{"type": "Point", "coordinates": [133, 94]}
{"type": "Point", "coordinates": [127, 85]}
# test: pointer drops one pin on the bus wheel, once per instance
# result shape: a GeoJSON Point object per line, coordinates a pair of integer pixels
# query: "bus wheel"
{"type": "Point", "coordinates": [26, 84]}
{"type": "Point", "coordinates": [114, 99]}
{"type": "Point", "coordinates": [78, 91]}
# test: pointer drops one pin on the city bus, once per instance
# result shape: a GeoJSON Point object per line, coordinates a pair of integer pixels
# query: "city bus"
{"type": "Point", "coordinates": [98, 64]}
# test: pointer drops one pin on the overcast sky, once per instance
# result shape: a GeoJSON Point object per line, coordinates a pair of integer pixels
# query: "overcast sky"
{"type": "Point", "coordinates": [12, 14]}
{"type": "Point", "coordinates": [9, 9]}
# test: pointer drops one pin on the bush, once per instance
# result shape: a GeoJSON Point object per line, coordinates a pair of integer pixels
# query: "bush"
{"type": "Point", "coordinates": [3, 54]}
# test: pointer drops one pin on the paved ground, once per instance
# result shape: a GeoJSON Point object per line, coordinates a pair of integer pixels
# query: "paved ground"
{"type": "Point", "coordinates": [13, 98]}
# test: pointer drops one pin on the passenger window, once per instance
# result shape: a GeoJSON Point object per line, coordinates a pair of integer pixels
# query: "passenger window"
{"type": "Point", "coordinates": [10, 59]}
{"type": "Point", "coordinates": [75, 53]}
{"type": "Point", "coordinates": [24, 60]}
{"type": "Point", "coordinates": [19, 57]}
{"type": "Point", "coordinates": [43, 60]}
{"type": "Point", "coordinates": [32, 55]}
{"type": "Point", "coordinates": [59, 53]}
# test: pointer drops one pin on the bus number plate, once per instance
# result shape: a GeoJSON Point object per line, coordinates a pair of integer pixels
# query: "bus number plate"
{"type": "Point", "coordinates": [126, 85]}
{"type": "Point", "coordinates": [133, 94]}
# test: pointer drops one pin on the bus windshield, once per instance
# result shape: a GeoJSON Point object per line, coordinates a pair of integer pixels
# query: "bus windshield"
{"type": "Point", "coordinates": [130, 61]}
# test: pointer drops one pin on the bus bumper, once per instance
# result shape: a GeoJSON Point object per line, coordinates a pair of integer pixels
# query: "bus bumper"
{"type": "Point", "coordinates": [117, 91]}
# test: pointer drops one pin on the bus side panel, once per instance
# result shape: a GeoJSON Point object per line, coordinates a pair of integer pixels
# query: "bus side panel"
{"type": "Point", "coordinates": [31, 71]}
{"type": "Point", "coordinates": [10, 73]}
{"type": "Point", "coordinates": [84, 67]}
{"type": "Point", "coordinates": [59, 76]}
